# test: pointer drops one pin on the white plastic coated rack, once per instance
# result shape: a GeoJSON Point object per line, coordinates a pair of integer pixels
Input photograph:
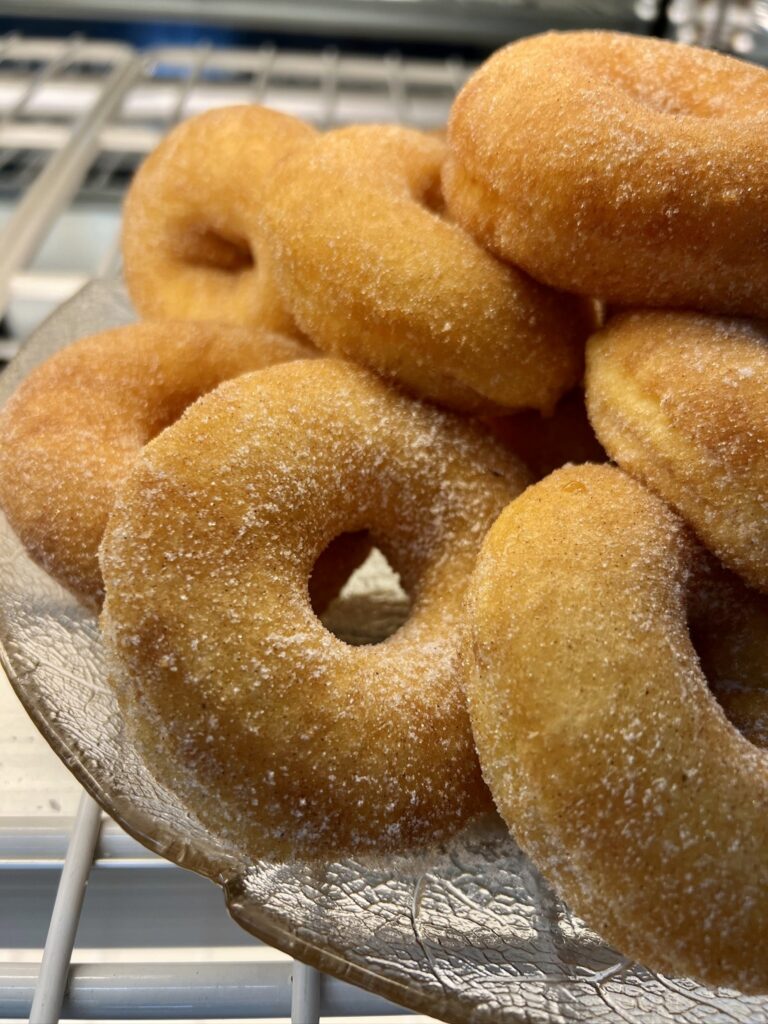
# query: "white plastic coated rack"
{"type": "Point", "coordinates": [77, 117]}
{"type": "Point", "coordinates": [154, 942]}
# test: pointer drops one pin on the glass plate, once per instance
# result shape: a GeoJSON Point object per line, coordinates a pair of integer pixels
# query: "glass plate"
{"type": "Point", "coordinates": [467, 931]}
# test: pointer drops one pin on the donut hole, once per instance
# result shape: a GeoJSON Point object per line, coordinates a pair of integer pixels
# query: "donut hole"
{"type": "Point", "coordinates": [212, 250]}
{"type": "Point", "coordinates": [731, 655]}
{"type": "Point", "coordinates": [371, 604]}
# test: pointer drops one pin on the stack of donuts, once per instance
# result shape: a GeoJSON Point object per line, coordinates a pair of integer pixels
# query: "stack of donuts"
{"type": "Point", "coordinates": [528, 365]}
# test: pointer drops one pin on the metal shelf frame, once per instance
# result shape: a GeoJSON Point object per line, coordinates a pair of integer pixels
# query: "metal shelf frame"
{"type": "Point", "coordinates": [77, 117]}
{"type": "Point", "coordinates": [268, 987]}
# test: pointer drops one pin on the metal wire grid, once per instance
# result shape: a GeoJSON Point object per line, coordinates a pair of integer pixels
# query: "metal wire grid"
{"type": "Point", "coordinates": [737, 27]}
{"type": "Point", "coordinates": [77, 117]}
{"type": "Point", "coordinates": [271, 987]}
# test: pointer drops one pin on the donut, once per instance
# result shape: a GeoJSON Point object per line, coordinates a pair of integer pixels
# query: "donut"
{"type": "Point", "coordinates": [680, 400]}
{"type": "Point", "coordinates": [73, 428]}
{"type": "Point", "coordinates": [628, 168]}
{"type": "Point", "coordinates": [728, 623]}
{"type": "Point", "coordinates": [545, 443]}
{"type": "Point", "coordinates": [605, 751]}
{"type": "Point", "coordinates": [375, 273]}
{"type": "Point", "coordinates": [190, 242]}
{"type": "Point", "coordinates": [279, 735]}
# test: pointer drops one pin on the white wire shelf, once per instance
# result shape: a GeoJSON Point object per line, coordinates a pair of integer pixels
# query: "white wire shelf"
{"type": "Point", "coordinates": [77, 117]}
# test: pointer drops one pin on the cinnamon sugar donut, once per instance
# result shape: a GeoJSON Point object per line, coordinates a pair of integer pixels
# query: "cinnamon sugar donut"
{"type": "Point", "coordinates": [274, 731]}
{"type": "Point", "coordinates": [728, 623]}
{"type": "Point", "coordinates": [545, 443]}
{"type": "Point", "coordinates": [604, 749]}
{"type": "Point", "coordinates": [680, 400]}
{"type": "Point", "coordinates": [375, 273]}
{"type": "Point", "coordinates": [190, 242]}
{"type": "Point", "coordinates": [619, 166]}
{"type": "Point", "coordinates": [75, 425]}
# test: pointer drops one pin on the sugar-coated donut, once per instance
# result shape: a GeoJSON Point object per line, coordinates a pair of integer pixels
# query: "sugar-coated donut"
{"type": "Point", "coordinates": [681, 401]}
{"type": "Point", "coordinates": [728, 622]}
{"type": "Point", "coordinates": [375, 273]}
{"type": "Point", "coordinates": [545, 443]}
{"type": "Point", "coordinates": [73, 428]}
{"type": "Point", "coordinates": [604, 749]}
{"type": "Point", "coordinates": [628, 168]}
{"type": "Point", "coordinates": [276, 732]}
{"type": "Point", "coordinates": [190, 241]}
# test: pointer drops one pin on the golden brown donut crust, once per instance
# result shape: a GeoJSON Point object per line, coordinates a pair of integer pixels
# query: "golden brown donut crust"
{"type": "Point", "coordinates": [271, 728]}
{"type": "Point", "coordinates": [680, 400]}
{"type": "Point", "coordinates": [619, 166]}
{"type": "Point", "coordinates": [73, 428]}
{"type": "Point", "coordinates": [373, 272]}
{"type": "Point", "coordinates": [602, 745]}
{"type": "Point", "coordinates": [190, 239]}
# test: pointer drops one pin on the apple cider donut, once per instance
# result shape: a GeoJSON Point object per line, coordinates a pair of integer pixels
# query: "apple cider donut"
{"type": "Point", "coordinates": [190, 243]}
{"type": "Point", "coordinates": [604, 749]}
{"type": "Point", "coordinates": [281, 735]}
{"type": "Point", "coordinates": [376, 274]}
{"type": "Point", "coordinates": [619, 166]}
{"type": "Point", "coordinates": [73, 428]}
{"type": "Point", "coordinates": [680, 400]}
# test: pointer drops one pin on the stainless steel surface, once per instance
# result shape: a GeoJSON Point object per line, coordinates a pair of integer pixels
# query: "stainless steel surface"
{"type": "Point", "coordinates": [487, 22]}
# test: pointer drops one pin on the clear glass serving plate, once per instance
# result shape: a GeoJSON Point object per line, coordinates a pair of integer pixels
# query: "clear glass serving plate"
{"type": "Point", "coordinates": [467, 931]}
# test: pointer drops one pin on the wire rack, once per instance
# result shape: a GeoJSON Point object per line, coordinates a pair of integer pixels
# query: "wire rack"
{"type": "Point", "coordinates": [76, 119]}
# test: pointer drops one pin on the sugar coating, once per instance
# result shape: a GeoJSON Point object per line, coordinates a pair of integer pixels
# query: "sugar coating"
{"type": "Point", "coordinates": [624, 167]}
{"type": "Point", "coordinates": [72, 430]}
{"type": "Point", "coordinates": [191, 247]}
{"type": "Point", "coordinates": [680, 400]}
{"type": "Point", "coordinates": [271, 728]}
{"type": "Point", "coordinates": [604, 749]}
{"type": "Point", "coordinates": [376, 273]}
